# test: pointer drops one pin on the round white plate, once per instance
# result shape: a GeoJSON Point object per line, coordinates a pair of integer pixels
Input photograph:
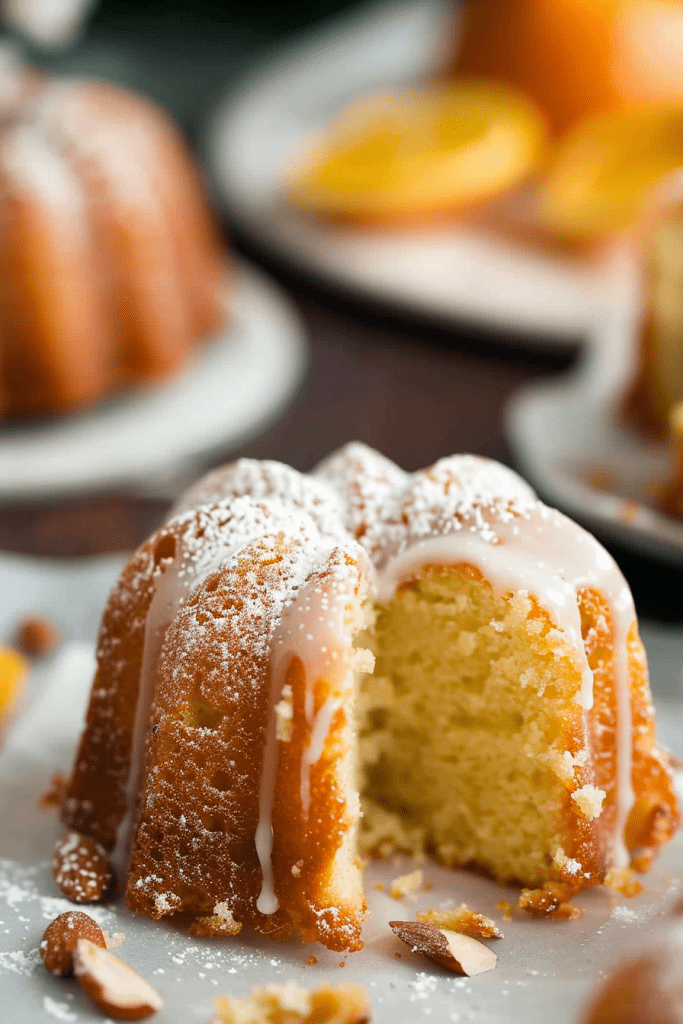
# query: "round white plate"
{"type": "Point", "coordinates": [568, 434]}
{"type": "Point", "coordinates": [449, 274]}
{"type": "Point", "coordinates": [545, 968]}
{"type": "Point", "coordinates": [232, 388]}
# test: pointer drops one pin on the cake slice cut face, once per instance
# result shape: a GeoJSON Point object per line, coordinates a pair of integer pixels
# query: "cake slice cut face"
{"type": "Point", "coordinates": [299, 670]}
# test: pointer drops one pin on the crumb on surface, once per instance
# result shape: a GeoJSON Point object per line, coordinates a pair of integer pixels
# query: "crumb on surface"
{"type": "Point", "coordinates": [114, 941]}
{"type": "Point", "coordinates": [552, 901]}
{"type": "Point", "coordinates": [54, 795]}
{"type": "Point", "coordinates": [463, 920]}
{"type": "Point", "coordinates": [506, 908]}
{"type": "Point", "coordinates": [624, 881]}
{"type": "Point", "coordinates": [406, 885]}
{"type": "Point", "coordinates": [290, 1003]}
{"type": "Point", "coordinates": [643, 861]}
{"type": "Point", "coordinates": [221, 922]}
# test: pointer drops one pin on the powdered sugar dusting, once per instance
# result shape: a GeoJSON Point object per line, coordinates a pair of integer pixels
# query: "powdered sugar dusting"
{"type": "Point", "coordinates": [20, 962]}
{"type": "Point", "coordinates": [32, 164]}
{"type": "Point", "coordinates": [22, 902]}
{"type": "Point", "coordinates": [59, 1010]}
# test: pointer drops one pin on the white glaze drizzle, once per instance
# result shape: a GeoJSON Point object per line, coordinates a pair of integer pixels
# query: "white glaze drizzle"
{"type": "Point", "coordinates": [322, 723]}
{"type": "Point", "coordinates": [317, 629]}
{"type": "Point", "coordinates": [174, 579]}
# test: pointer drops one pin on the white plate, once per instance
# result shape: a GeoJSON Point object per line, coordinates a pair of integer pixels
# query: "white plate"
{"type": "Point", "coordinates": [569, 432]}
{"type": "Point", "coordinates": [545, 968]}
{"type": "Point", "coordinates": [232, 388]}
{"type": "Point", "coordinates": [447, 274]}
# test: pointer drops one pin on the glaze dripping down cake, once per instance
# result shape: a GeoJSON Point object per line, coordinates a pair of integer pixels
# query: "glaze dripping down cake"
{"type": "Point", "coordinates": [439, 649]}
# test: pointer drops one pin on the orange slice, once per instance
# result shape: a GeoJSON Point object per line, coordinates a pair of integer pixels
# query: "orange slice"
{"type": "Point", "coordinates": [604, 169]}
{"type": "Point", "coordinates": [403, 156]}
{"type": "Point", "coordinates": [13, 669]}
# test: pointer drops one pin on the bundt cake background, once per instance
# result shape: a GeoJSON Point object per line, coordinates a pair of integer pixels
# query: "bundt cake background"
{"type": "Point", "coordinates": [111, 268]}
{"type": "Point", "coordinates": [471, 654]}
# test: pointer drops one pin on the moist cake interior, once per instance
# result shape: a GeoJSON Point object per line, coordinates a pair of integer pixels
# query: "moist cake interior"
{"type": "Point", "coordinates": [459, 749]}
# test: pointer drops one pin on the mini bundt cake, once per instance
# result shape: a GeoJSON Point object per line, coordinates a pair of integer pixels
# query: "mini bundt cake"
{"type": "Point", "coordinates": [441, 644]}
{"type": "Point", "coordinates": [658, 378]}
{"type": "Point", "coordinates": [645, 988]}
{"type": "Point", "coordinates": [110, 268]}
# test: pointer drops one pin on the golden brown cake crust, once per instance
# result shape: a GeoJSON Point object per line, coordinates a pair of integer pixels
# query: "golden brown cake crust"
{"type": "Point", "coordinates": [110, 270]}
{"type": "Point", "coordinates": [211, 632]}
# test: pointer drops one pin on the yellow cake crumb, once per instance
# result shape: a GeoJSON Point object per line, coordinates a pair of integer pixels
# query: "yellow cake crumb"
{"type": "Point", "coordinates": [643, 861]}
{"type": "Point", "coordinates": [462, 919]}
{"type": "Point", "coordinates": [589, 800]}
{"type": "Point", "coordinates": [624, 881]}
{"type": "Point", "coordinates": [552, 901]}
{"type": "Point", "coordinates": [221, 922]}
{"type": "Point", "coordinates": [290, 1003]}
{"type": "Point", "coordinates": [406, 885]}
{"type": "Point", "coordinates": [506, 908]}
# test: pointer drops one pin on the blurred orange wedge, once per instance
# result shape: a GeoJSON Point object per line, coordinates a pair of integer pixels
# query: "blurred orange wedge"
{"type": "Point", "coordinates": [604, 169]}
{"type": "Point", "coordinates": [13, 669]}
{"type": "Point", "coordinates": [406, 156]}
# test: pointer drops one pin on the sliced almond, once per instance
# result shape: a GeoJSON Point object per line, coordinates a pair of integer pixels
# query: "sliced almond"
{"type": "Point", "coordinates": [117, 989]}
{"type": "Point", "coordinates": [452, 950]}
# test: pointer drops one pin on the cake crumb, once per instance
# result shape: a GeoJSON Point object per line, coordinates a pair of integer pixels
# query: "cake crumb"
{"type": "Point", "coordinates": [406, 885]}
{"type": "Point", "coordinates": [380, 886]}
{"type": "Point", "coordinates": [115, 940]}
{"type": "Point", "coordinates": [589, 800]}
{"type": "Point", "coordinates": [290, 1003]}
{"type": "Point", "coordinates": [53, 796]}
{"type": "Point", "coordinates": [628, 511]}
{"type": "Point", "coordinates": [601, 477]}
{"type": "Point", "coordinates": [462, 920]}
{"type": "Point", "coordinates": [506, 908]}
{"type": "Point", "coordinates": [643, 861]}
{"type": "Point", "coordinates": [552, 901]}
{"type": "Point", "coordinates": [312, 961]}
{"type": "Point", "coordinates": [624, 881]}
{"type": "Point", "coordinates": [221, 922]}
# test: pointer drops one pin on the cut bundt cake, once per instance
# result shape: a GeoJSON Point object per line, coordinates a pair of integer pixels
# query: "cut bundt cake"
{"type": "Point", "coordinates": [110, 268]}
{"type": "Point", "coordinates": [298, 670]}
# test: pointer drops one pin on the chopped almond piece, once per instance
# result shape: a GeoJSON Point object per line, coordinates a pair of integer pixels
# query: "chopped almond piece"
{"type": "Point", "coordinates": [115, 987]}
{"type": "Point", "coordinates": [453, 950]}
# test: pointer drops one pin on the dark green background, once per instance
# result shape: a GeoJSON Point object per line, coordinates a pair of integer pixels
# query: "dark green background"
{"type": "Point", "coordinates": [183, 53]}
